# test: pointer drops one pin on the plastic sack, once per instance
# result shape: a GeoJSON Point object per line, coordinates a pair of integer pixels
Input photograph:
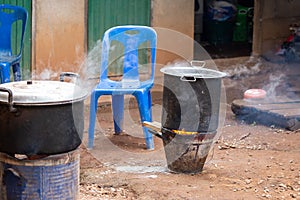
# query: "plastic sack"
{"type": "Point", "coordinates": [221, 10]}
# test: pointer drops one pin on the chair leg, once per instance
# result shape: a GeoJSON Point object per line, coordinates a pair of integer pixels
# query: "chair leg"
{"type": "Point", "coordinates": [5, 72]}
{"type": "Point", "coordinates": [118, 112]}
{"type": "Point", "coordinates": [144, 103]}
{"type": "Point", "coordinates": [17, 72]}
{"type": "Point", "coordinates": [93, 112]}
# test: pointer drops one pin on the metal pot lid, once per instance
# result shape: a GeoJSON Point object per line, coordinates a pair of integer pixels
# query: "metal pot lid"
{"type": "Point", "coordinates": [196, 72]}
{"type": "Point", "coordinates": [41, 92]}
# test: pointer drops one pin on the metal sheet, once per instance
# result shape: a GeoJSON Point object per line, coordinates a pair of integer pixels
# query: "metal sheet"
{"type": "Point", "coordinates": [104, 14]}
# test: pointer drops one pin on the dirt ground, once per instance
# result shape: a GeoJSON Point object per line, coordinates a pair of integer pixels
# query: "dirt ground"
{"type": "Point", "coordinates": [247, 161]}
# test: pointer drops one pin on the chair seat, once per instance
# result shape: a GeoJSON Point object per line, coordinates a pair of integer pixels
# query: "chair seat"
{"type": "Point", "coordinates": [111, 87]}
{"type": "Point", "coordinates": [9, 59]}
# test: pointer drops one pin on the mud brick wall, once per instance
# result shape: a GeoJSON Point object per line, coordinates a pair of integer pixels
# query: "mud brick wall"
{"type": "Point", "coordinates": [174, 23]}
{"type": "Point", "coordinates": [58, 35]}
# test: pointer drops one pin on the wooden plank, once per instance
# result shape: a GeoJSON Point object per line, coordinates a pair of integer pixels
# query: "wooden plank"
{"type": "Point", "coordinates": [277, 100]}
{"type": "Point", "coordinates": [293, 89]}
{"type": "Point", "coordinates": [155, 126]}
{"type": "Point", "coordinates": [270, 107]}
{"type": "Point", "coordinates": [284, 114]}
{"type": "Point", "coordinates": [293, 124]}
{"type": "Point", "coordinates": [289, 113]}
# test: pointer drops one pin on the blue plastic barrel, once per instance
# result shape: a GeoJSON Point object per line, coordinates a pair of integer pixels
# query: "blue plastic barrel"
{"type": "Point", "coordinates": [53, 177]}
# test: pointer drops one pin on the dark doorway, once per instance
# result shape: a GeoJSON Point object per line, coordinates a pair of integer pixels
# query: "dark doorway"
{"type": "Point", "coordinates": [227, 34]}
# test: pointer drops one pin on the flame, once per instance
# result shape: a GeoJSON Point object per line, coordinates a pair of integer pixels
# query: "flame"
{"type": "Point", "coordinates": [183, 132]}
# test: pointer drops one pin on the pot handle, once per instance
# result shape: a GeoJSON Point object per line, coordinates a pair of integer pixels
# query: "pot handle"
{"type": "Point", "coordinates": [188, 78]}
{"type": "Point", "coordinates": [153, 128]}
{"type": "Point", "coordinates": [68, 74]}
{"type": "Point", "coordinates": [10, 99]}
{"type": "Point", "coordinates": [197, 63]}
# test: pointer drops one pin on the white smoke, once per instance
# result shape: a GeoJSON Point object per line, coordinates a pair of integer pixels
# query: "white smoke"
{"type": "Point", "coordinates": [46, 74]}
{"type": "Point", "coordinates": [90, 67]}
{"type": "Point", "coordinates": [241, 70]}
{"type": "Point", "coordinates": [274, 82]}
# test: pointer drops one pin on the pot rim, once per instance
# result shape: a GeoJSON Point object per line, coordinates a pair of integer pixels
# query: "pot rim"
{"type": "Point", "coordinates": [41, 92]}
{"type": "Point", "coordinates": [195, 72]}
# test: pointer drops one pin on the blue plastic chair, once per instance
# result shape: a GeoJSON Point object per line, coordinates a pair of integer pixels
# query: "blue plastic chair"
{"type": "Point", "coordinates": [9, 18]}
{"type": "Point", "coordinates": [131, 39]}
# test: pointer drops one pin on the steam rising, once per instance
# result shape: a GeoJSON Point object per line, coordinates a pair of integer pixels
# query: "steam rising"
{"type": "Point", "coordinates": [241, 70]}
{"type": "Point", "coordinates": [270, 88]}
{"type": "Point", "coordinates": [46, 74]}
{"type": "Point", "coordinates": [177, 63]}
{"type": "Point", "coordinates": [90, 68]}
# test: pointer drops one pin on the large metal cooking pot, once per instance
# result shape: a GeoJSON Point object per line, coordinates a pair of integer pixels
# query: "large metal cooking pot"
{"type": "Point", "coordinates": [191, 98]}
{"type": "Point", "coordinates": [41, 117]}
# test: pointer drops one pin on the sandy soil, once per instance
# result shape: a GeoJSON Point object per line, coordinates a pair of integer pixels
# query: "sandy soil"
{"type": "Point", "coordinates": [247, 161]}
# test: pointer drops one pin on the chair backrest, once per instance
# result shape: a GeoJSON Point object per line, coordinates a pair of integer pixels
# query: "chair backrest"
{"type": "Point", "coordinates": [134, 41]}
{"type": "Point", "coordinates": [10, 15]}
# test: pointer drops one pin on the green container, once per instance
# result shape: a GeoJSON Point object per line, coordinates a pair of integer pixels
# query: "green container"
{"type": "Point", "coordinates": [240, 33]}
{"type": "Point", "coordinates": [219, 32]}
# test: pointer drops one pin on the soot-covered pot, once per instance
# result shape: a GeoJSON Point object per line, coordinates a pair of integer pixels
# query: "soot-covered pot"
{"type": "Point", "coordinates": [41, 117]}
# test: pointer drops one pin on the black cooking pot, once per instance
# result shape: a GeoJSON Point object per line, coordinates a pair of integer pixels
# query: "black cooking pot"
{"type": "Point", "coordinates": [191, 98]}
{"type": "Point", "coordinates": [41, 117]}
